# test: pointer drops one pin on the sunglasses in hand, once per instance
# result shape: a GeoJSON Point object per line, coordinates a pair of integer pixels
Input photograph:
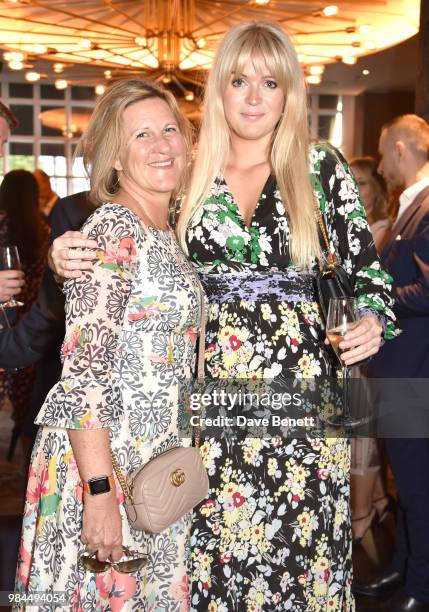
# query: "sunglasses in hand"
{"type": "Point", "coordinates": [135, 562]}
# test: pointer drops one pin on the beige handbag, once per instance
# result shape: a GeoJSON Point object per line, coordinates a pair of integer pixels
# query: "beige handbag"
{"type": "Point", "coordinates": [171, 484]}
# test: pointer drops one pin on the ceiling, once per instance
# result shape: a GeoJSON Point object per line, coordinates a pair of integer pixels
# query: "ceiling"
{"type": "Point", "coordinates": [393, 69]}
{"type": "Point", "coordinates": [175, 39]}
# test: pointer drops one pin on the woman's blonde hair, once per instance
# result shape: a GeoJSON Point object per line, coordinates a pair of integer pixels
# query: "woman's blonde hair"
{"type": "Point", "coordinates": [369, 165]}
{"type": "Point", "coordinates": [263, 43]}
{"type": "Point", "coordinates": [103, 139]}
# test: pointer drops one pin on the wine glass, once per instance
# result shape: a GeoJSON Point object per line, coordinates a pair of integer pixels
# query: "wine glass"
{"type": "Point", "coordinates": [9, 260]}
{"type": "Point", "coordinates": [341, 318]}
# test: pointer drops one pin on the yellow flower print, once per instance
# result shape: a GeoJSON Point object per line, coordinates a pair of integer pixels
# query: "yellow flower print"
{"type": "Point", "coordinates": [204, 560]}
{"type": "Point", "coordinates": [304, 519]}
{"type": "Point", "coordinates": [266, 311]}
{"type": "Point", "coordinates": [245, 534]}
{"type": "Point", "coordinates": [257, 533]}
{"type": "Point", "coordinates": [272, 466]}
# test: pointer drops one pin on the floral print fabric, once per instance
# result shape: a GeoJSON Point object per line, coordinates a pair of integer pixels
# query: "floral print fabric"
{"type": "Point", "coordinates": [129, 345]}
{"type": "Point", "coordinates": [274, 531]}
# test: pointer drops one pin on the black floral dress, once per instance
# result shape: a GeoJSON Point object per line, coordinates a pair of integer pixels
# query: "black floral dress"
{"type": "Point", "coordinates": [274, 532]}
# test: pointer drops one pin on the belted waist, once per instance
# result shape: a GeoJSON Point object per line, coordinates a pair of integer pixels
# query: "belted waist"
{"type": "Point", "coordinates": [287, 286]}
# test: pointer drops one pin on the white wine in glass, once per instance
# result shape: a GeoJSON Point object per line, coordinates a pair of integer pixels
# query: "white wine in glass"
{"type": "Point", "coordinates": [9, 260]}
{"type": "Point", "coordinates": [341, 319]}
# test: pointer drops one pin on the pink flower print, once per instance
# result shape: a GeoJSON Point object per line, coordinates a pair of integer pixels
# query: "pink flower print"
{"type": "Point", "coordinates": [38, 480]}
{"type": "Point", "coordinates": [225, 557]}
{"type": "Point", "coordinates": [234, 342]}
{"type": "Point", "coordinates": [128, 245]}
{"type": "Point", "coordinates": [121, 253]}
{"type": "Point", "coordinates": [180, 592]}
{"type": "Point", "coordinates": [238, 499]}
{"type": "Point", "coordinates": [322, 474]}
{"type": "Point", "coordinates": [145, 308]}
{"type": "Point", "coordinates": [115, 588]}
{"type": "Point", "coordinates": [24, 565]}
{"type": "Point", "coordinates": [191, 334]}
{"type": "Point", "coordinates": [76, 338]}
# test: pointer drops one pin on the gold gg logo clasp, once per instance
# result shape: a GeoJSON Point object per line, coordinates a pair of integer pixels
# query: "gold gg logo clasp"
{"type": "Point", "coordinates": [177, 477]}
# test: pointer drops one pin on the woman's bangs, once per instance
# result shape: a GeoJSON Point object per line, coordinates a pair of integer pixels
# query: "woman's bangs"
{"type": "Point", "coordinates": [265, 57]}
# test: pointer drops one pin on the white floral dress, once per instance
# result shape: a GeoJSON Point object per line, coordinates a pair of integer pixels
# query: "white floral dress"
{"type": "Point", "coordinates": [131, 330]}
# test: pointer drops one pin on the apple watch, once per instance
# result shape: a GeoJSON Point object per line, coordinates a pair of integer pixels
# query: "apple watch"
{"type": "Point", "coordinates": [96, 486]}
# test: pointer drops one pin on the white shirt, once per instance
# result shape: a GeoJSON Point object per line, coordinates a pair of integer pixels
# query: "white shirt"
{"type": "Point", "coordinates": [409, 194]}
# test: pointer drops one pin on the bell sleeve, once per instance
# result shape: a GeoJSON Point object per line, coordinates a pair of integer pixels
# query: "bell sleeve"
{"type": "Point", "coordinates": [86, 396]}
{"type": "Point", "coordinates": [350, 237]}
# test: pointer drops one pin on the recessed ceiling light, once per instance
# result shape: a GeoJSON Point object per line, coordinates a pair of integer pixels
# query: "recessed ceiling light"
{"type": "Point", "coordinates": [365, 72]}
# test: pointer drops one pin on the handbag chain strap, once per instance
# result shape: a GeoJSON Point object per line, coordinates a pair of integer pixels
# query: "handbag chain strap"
{"type": "Point", "coordinates": [119, 475]}
{"type": "Point", "coordinates": [331, 257]}
{"type": "Point", "coordinates": [200, 378]}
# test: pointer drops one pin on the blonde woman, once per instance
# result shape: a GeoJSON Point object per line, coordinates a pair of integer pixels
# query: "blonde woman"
{"type": "Point", "coordinates": [131, 326]}
{"type": "Point", "coordinates": [274, 532]}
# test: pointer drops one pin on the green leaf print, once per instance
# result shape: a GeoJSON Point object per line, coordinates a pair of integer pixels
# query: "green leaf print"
{"type": "Point", "coordinates": [49, 504]}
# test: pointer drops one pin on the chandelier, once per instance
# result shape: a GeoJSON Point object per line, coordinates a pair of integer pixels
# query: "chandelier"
{"type": "Point", "coordinates": [173, 41]}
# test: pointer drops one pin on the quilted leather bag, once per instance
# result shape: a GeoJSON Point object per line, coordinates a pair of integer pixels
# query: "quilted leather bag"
{"type": "Point", "coordinates": [158, 493]}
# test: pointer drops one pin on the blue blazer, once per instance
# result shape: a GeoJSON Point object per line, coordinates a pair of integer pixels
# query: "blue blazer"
{"type": "Point", "coordinates": [405, 256]}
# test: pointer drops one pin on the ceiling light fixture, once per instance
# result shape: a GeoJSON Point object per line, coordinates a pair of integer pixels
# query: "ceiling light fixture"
{"type": "Point", "coordinates": [365, 72]}
{"type": "Point", "coordinates": [313, 79]}
{"type": "Point", "coordinates": [84, 43]}
{"type": "Point", "coordinates": [100, 89]}
{"type": "Point", "coordinates": [14, 56]}
{"type": "Point", "coordinates": [316, 70]}
{"type": "Point", "coordinates": [364, 28]}
{"type": "Point", "coordinates": [61, 84]}
{"type": "Point", "coordinates": [57, 67]}
{"type": "Point", "coordinates": [39, 49]}
{"type": "Point", "coordinates": [349, 60]}
{"type": "Point", "coordinates": [330, 11]}
{"type": "Point", "coordinates": [369, 45]}
{"type": "Point", "coordinates": [15, 65]}
{"type": "Point", "coordinates": [32, 76]}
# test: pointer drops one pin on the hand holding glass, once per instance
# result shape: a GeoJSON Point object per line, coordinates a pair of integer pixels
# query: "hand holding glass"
{"type": "Point", "coordinates": [9, 260]}
{"type": "Point", "coordinates": [341, 319]}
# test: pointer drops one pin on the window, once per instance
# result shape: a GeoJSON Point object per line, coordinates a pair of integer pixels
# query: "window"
{"type": "Point", "coordinates": [51, 122]}
{"type": "Point", "coordinates": [21, 156]}
{"type": "Point", "coordinates": [326, 118]}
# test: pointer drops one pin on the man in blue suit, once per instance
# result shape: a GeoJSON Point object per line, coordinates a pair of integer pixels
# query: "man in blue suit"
{"type": "Point", "coordinates": [404, 151]}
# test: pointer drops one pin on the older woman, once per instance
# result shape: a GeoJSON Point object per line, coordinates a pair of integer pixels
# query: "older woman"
{"type": "Point", "coordinates": [274, 533]}
{"type": "Point", "coordinates": [129, 342]}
